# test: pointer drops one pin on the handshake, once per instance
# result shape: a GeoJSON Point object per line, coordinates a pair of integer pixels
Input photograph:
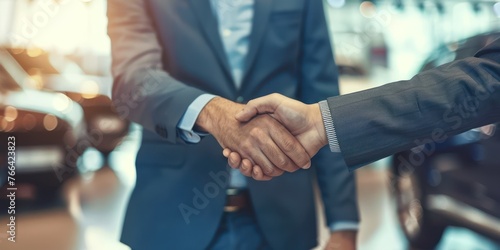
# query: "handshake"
{"type": "Point", "coordinates": [266, 137]}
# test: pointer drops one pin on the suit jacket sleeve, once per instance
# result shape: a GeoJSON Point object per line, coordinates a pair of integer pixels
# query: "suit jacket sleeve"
{"type": "Point", "coordinates": [320, 80]}
{"type": "Point", "coordinates": [142, 90]}
{"type": "Point", "coordinates": [430, 107]}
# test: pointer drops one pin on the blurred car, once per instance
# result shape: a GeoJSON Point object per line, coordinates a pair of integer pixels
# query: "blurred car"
{"type": "Point", "coordinates": [48, 93]}
{"type": "Point", "coordinates": [453, 183]}
{"type": "Point", "coordinates": [105, 128]}
{"type": "Point", "coordinates": [49, 131]}
{"type": "Point", "coordinates": [448, 52]}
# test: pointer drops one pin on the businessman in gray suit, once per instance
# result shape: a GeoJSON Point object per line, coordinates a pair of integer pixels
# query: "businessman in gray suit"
{"type": "Point", "coordinates": [378, 122]}
{"type": "Point", "coordinates": [181, 69]}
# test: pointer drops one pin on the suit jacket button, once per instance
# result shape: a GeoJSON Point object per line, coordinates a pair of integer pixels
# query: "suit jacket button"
{"type": "Point", "coordinates": [240, 99]}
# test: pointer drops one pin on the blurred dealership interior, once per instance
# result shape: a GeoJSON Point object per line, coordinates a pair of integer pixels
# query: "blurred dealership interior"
{"type": "Point", "coordinates": [76, 156]}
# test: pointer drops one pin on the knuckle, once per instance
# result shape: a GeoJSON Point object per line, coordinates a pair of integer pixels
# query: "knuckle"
{"type": "Point", "coordinates": [256, 132]}
{"type": "Point", "coordinates": [282, 162]}
{"type": "Point", "coordinates": [246, 146]}
{"type": "Point", "coordinates": [247, 172]}
{"type": "Point", "coordinates": [268, 170]}
{"type": "Point", "coordinates": [251, 103]}
{"type": "Point", "coordinates": [233, 163]}
{"type": "Point", "coordinates": [289, 145]}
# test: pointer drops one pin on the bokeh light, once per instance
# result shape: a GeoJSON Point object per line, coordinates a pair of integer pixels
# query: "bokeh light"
{"type": "Point", "coordinates": [10, 114]}
{"type": "Point", "coordinates": [90, 89]}
{"type": "Point", "coordinates": [34, 52]}
{"type": "Point", "coordinates": [61, 102]}
{"type": "Point", "coordinates": [367, 9]}
{"type": "Point", "coordinates": [50, 122]}
{"type": "Point", "coordinates": [5, 125]}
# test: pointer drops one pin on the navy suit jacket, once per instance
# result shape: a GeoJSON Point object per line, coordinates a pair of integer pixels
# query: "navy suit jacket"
{"type": "Point", "coordinates": [429, 108]}
{"type": "Point", "coordinates": [168, 52]}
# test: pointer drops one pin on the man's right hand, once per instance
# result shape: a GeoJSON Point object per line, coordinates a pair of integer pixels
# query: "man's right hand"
{"type": "Point", "coordinates": [263, 140]}
{"type": "Point", "coordinates": [303, 121]}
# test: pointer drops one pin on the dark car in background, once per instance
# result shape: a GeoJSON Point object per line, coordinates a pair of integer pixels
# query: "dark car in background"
{"type": "Point", "coordinates": [45, 131]}
{"type": "Point", "coordinates": [452, 183]}
{"type": "Point", "coordinates": [90, 91]}
{"type": "Point", "coordinates": [55, 115]}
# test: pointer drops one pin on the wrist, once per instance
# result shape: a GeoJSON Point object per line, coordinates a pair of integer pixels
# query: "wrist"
{"type": "Point", "coordinates": [342, 240]}
{"type": "Point", "coordinates": [205, 120]}
{"type": "Point", "coordinates": [217, 115]}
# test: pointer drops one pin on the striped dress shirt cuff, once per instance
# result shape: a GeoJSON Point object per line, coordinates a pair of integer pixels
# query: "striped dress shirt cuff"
{"type": "Point", "coordinates": [329, 126]}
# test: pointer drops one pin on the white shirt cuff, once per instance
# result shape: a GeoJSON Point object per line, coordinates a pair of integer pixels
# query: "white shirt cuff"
{"type": "Point", "coordinates": [344, 226]}
{"type": "Point", "coordinates": [188, 120]}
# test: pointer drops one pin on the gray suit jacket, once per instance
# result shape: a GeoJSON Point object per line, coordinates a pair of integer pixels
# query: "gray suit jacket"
{"type": "Point", "coordinates": [168, 52]}
{"type": "Point", "coordinates": [430, 107]}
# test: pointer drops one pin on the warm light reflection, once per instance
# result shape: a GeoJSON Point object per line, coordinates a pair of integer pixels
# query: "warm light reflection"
{"type": "Point", "coordinates": [6, 126]}
{"type": "Point", "coordinates": [61, 25]}
{"type": "Point", "coordinates": [61, 102]}
{"type": "Point", "coordinates": [36, 78]}
{"type": "Point", "coordinates": [17, 51]}
{"type": "Point", "coordinates": [34, 52]}
{"type": "Point", "coordinates": [367, 9]}
{"type": "Point", "coordinates": [3, 123]}
{"type": "Point", "coordinates": [33, 82]}
{"type": "Point", "coordinates": [50, 122]}
{"type": "Point", "coordinates": [34, 71]}
{"type": "Point", "coordinates": [90, 89]}
{"type": "Point", "coordinates": [10, 114]}
{"type": "Point", "coordinates": [38, 81]}
{"type": "Point", "coordinates": [29, 121]}
{"type": "Point", "coordinates": [109, 124]}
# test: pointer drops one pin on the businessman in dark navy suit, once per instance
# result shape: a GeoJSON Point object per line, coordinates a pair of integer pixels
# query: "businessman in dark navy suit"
{"type": "Point", "coordinates": [181, 69]}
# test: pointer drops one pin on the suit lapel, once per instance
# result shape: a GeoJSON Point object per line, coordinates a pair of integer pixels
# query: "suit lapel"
{"type": "Point", "coordinates": [262, 9]}
{"type": "Point", "coordinates": [208, 23]}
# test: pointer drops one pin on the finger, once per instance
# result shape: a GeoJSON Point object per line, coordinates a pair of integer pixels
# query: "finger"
{"type": "Point", "coordinates": [262, 105]}
{"type": "Point", "coordinates": [291, 147]}
{"type": "Point", "coordinates": [234, 160]}
{"type": "Point", "coordinates": [226, 152]}
{"type": "Point", "coordinates": [272, 159]}
{"type": "Point", "coordinates": [257, 174]}
{"type": "Point", "coordinates": [246, 163]}
{"type": "Point", "coordinates": [246, 170]}
{"type": "Point", "coordinates": [264, 160]}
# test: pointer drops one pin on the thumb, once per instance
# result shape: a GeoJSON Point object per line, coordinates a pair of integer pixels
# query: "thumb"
{"type": "Point", "coordinates": [246, 114]}
{"type": "Point", "coordinates": [263, 105]}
